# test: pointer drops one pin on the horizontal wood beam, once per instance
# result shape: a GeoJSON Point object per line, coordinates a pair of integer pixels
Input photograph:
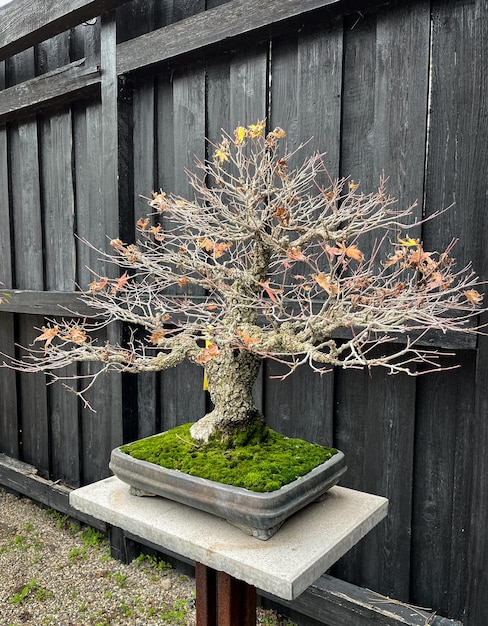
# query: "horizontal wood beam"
{"type": "Point", "coordinates": [47, 303]}
{"type": "Point", "coordinates": [24, 23]}
{"type": "Point", "coordinates": [235, 19]}
{"type": "Point", "coordinates": [23, 478]}
{"type": "Point", "coordinates": [333, 602]}
{"type": "Point", "coordinates": [62, 85]}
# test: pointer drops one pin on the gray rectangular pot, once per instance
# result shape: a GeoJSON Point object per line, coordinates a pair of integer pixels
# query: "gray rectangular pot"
{"type": "Point", "coordinates": [257, 514]}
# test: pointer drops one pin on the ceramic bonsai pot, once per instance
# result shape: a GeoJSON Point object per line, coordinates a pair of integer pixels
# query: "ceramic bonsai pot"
{"type": "Point", "coordinates": [257, 514]}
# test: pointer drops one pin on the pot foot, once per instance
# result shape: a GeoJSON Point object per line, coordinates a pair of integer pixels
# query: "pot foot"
{"type": "Point", "coordinates": [135, 491]}
{"type": "Point", "coordinates": [258, 533]}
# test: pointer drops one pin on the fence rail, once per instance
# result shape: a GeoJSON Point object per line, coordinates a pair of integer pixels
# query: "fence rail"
{"type": "Point", "coordinates": [98, 113]}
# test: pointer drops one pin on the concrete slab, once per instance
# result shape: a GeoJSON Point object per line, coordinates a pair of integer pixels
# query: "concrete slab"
{"type": "Point", "coordinates": [306, 545]}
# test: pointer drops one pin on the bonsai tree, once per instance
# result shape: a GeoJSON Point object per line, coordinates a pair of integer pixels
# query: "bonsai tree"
{"type": "Point", "coordinates": [266, 263]}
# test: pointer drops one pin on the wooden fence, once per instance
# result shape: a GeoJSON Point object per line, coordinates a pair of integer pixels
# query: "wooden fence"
{"type": "Point", "coordinates": [95, 112]}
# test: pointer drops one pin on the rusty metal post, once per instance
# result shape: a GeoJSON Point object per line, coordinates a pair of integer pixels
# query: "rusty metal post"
{"type": "Point", "coordinates": [206, 587]}
{"type": "Point", "coordinates": [222, 600]}
{"type": "Point", "coordinates": [236, 602]}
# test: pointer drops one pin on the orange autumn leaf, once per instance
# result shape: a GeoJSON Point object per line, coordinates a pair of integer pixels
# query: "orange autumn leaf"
{"type": "Point", "coordinates": [218, 249]}
{"type": "Point", "coordinates": [77, 335]}
{"type": "Point", "coordinates": [352, 251]}
{"type": "Point", "coordinates": [97, 285]}
{"type": "Point", "coordinates": [159, 201]}
{"type": "Point", "coordinates": [142, 224]}
{"type": "Point", "coordinates": [278, 133]}
{"type": "Point", "coordinates": [132, 253]}
{"type": "Point", "coordinates": [272, 293]}
{"type": "Point", "coordinates": [325, 281]}
{"type": "Point", "coordinates": [295, 254]}
{"type": "Point", "coordinates": [419, 259]}
{"type": "Point", "coordinates": [205, 244]}
{"type": "Point", "coordinates": [121, 282]}
{"type": "Point", "coordinates": [332, 251]}
{"type": "Point", "coordinates": [436, 279]}
{"type": "Point", "coordinates": [207, 354]}
{"type": "Point", "coordinates": [247, 339]}
{"type": "Point", "coordinates": [156, 337]}
{"type": "Point", "coordinates": [182, 281]}
{"type": "Point", "coordinates": [399, 255]}
{"type": "Point", "coordinates": [282, 216]}
{"type": "Point", "coordinates": [47, 335]}
{"type": "Point", "coordinates": [473, 297]}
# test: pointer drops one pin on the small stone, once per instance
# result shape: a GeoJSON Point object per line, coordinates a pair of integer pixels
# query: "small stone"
{"type": "Point", "coordinates": [166, 584]}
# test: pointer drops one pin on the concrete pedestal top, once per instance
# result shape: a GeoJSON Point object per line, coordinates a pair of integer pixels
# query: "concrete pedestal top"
{"type": "Point", "coordinates": [307, 544]}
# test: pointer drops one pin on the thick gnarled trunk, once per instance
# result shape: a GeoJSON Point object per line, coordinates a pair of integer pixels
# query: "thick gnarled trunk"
{"type": "Point", "coordinates": [231, 377]}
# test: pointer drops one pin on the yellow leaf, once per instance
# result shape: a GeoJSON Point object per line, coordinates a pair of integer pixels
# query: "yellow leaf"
{"type": "Point", "coordinates": [255, 130]}
{"type": "Point", "coordinates": [408, 242]}
{"type": "Point", "coordinates": [221, 155]}
{"type": "Point", "coordinates": [240, 134]}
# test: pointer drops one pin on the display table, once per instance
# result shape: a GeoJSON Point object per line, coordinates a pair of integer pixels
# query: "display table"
{"type": "Point", "coordinates": [229, 564]}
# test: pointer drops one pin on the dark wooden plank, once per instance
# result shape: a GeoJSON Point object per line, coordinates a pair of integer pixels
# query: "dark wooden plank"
{"type": "Point", "coordinates": [135, 18]}
{"type": "Point", "coordinates": [237, 19]}
{"type": "Point", "coordinates": [24, 23]}
{"type": "Point", "coordinates": [301, 405]}
{"type": "Point", "coordinates": [306, 91]}
{"type": "Point", "coordinates": [9, 430]}
{"type": "Point", "coordinates": [64, 84]}
{"type": "Point", "coordinates": [59, 256]}
{"type": "Point", "coordinates": [374, 427]}
{"type": "Point", "coordinates": [305, 101]}
{"type": "Point", "coordinates": [28, 263]}
{"type": "Point", "coordinates": [101, 431]}
{"type": "Point", "coordinates": [476, 582]}
{"type": "Point", "coordinates": [441, 498]}
{"type": "Point", "coordinates": [181, 138]}
{"type": "Point", "coordinates": [144, 172]}
{"type": "Point", "coordinates": [454, 159]}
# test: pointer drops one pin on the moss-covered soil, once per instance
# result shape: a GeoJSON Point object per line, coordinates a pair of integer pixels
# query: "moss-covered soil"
{"type": "Point", "coordinates": [265, 462]}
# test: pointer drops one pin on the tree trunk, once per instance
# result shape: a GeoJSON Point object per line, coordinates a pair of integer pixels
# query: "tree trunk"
{"type": "Point", "coordinates": [231, 377]}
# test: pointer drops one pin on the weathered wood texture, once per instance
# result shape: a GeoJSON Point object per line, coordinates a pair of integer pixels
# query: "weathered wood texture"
{"type": "Point", "coordinates": [393, 87]}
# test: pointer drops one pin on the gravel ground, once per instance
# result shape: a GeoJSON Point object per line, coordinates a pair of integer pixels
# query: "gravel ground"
{"type": "Point", "coordinates": [55, 572]}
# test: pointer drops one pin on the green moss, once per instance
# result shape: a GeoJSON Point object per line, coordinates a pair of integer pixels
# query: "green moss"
{"type": "Point", "coordinates": [265, 463]}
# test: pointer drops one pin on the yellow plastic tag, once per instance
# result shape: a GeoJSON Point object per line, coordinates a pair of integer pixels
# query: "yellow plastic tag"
{"type": "Point", "coordinates": [205, 380]}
